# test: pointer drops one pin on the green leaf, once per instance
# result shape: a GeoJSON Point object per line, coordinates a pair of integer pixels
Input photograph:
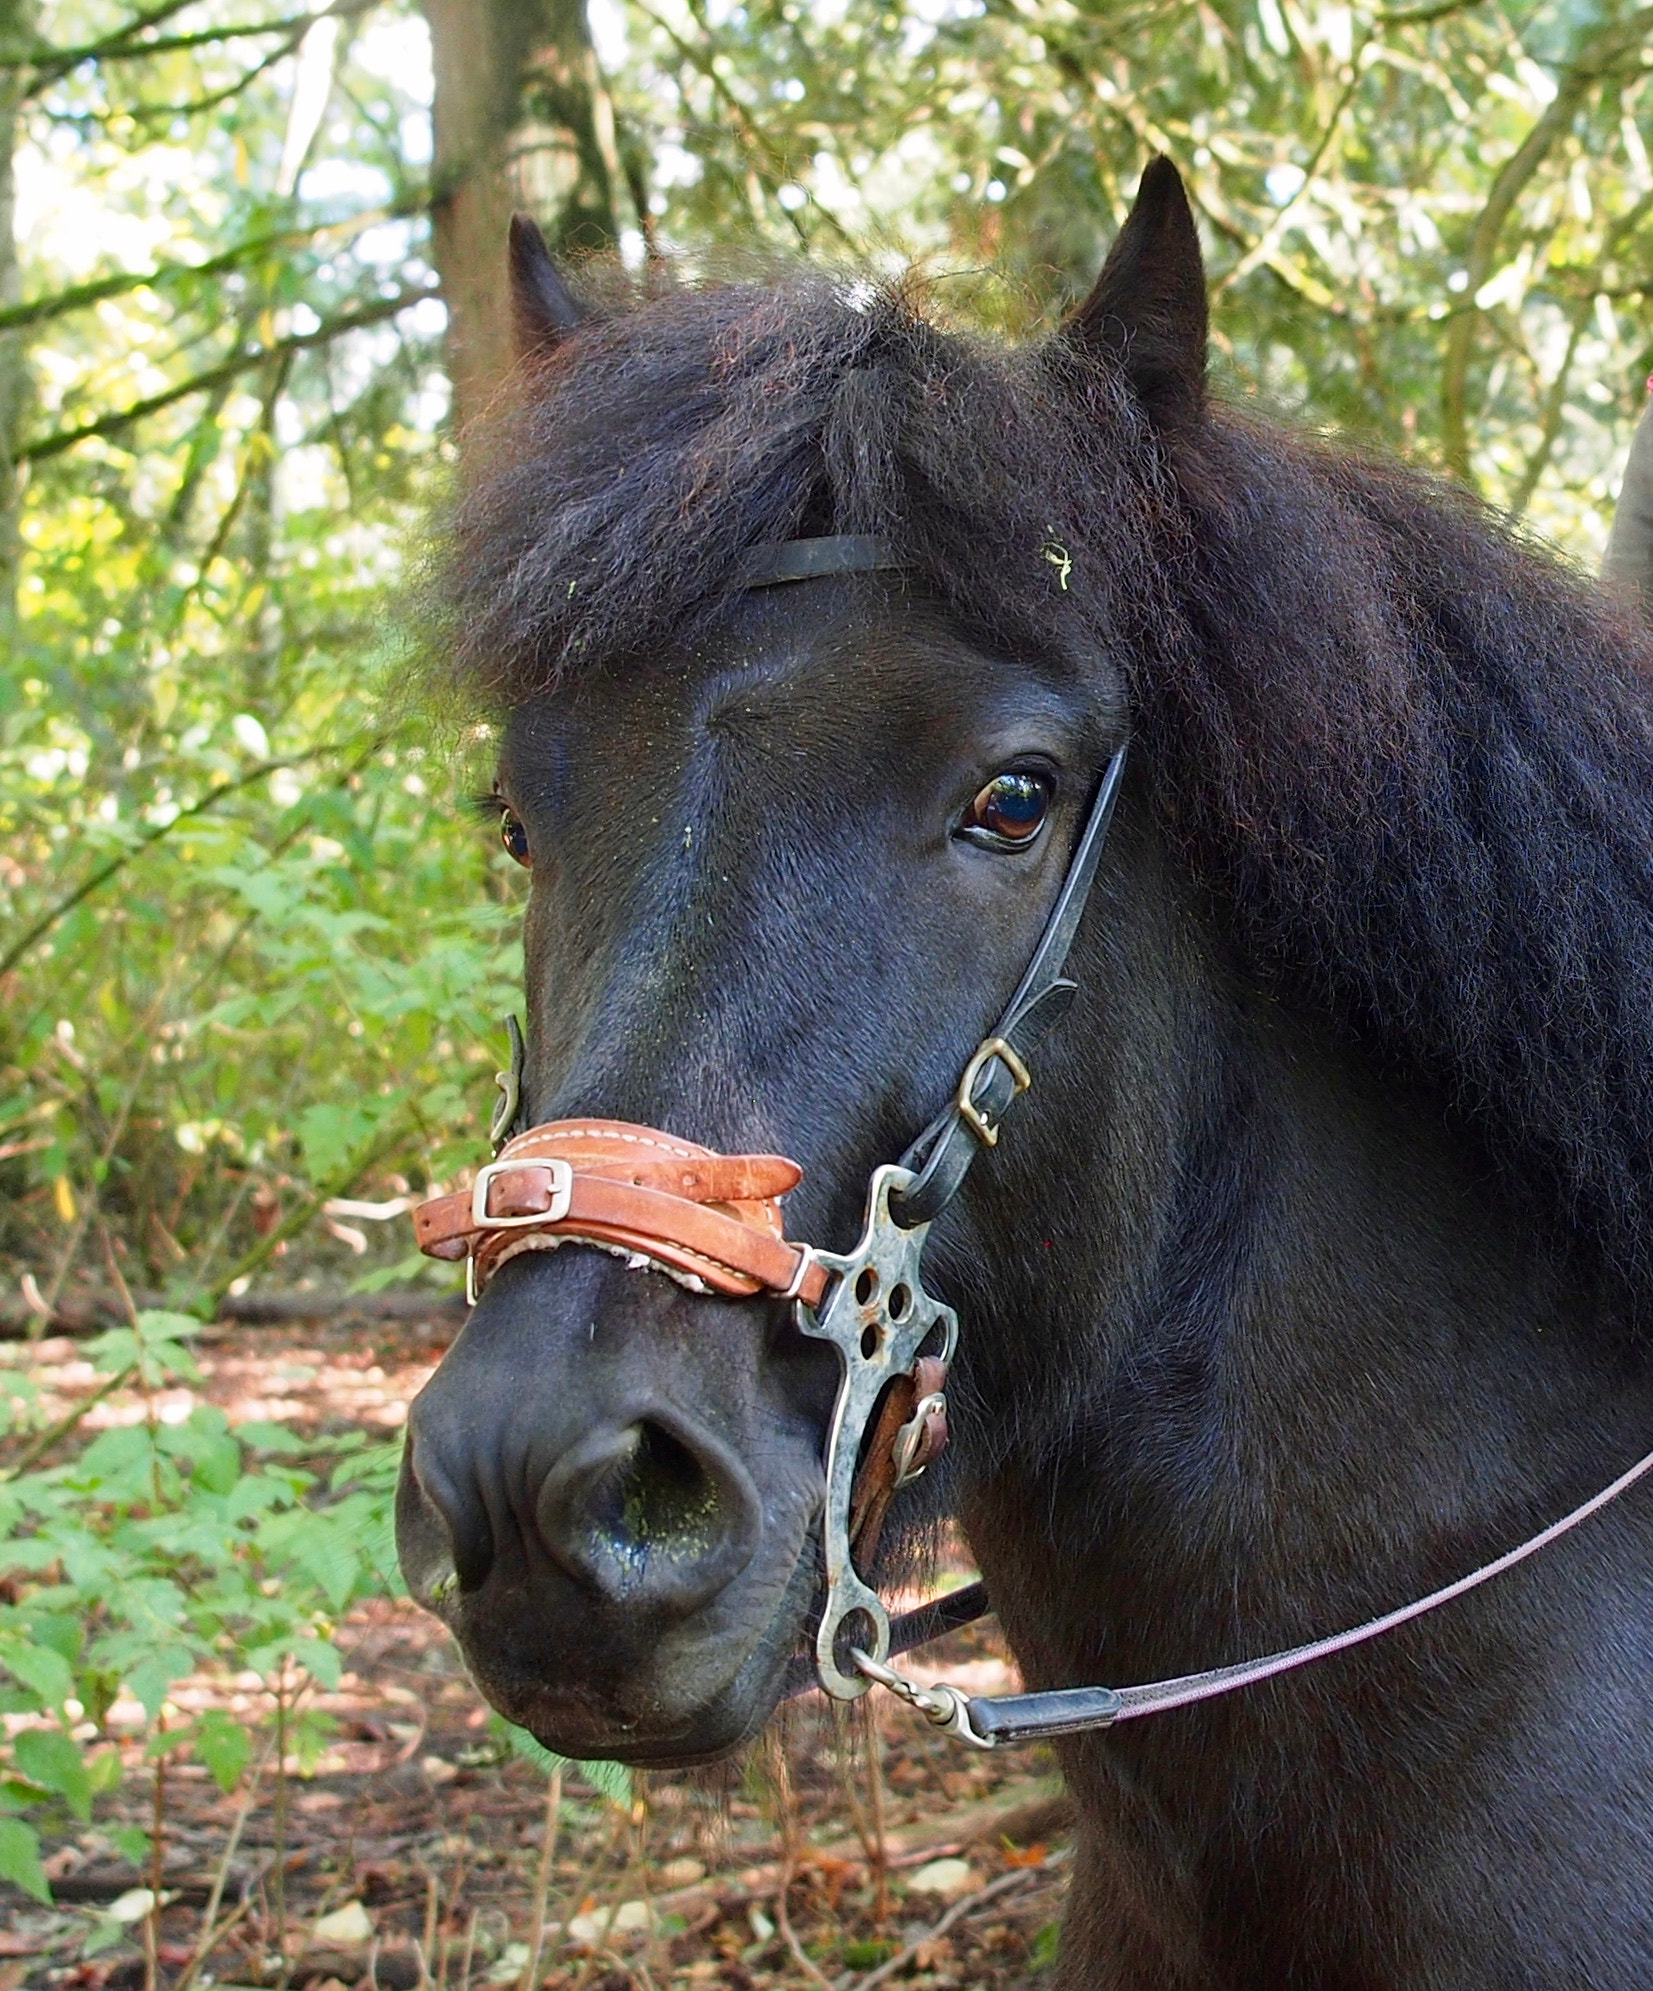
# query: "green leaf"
{"type": "Point", "coordinates": [44, 1672]}
{"type": "Point", "coordinates": [259, 1436]}
{"type": "Point", "coordinates": [530, 1748]}
{"type": "Point", "coordinates": [54, 1762]}
{"type": "Point", "coordinates": [224, 1746]}
{"type": "Point", "coordinates": [103, 1772]}
{"type": "Point", "coordinates": [20, 1858]}
{"type": "Point", "coordinates": [610, 1780]}
{"type": "Point", "coordinates": [151, 1678]}
{"type": "Point", "coordinates": [159, 1324]}
{"type": "Point", "coordinates": [131, 1842]}
{"type": "Point", "coordinates": [1042, 1951]}
{"type": "Point", "coordinates": [330, 1135]}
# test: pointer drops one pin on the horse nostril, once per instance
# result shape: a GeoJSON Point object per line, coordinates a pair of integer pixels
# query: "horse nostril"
{"type": "Point", "coordinates": [662, 1492]}
{"type": "Point", "coordinates": [648, 1516]}
{"type": "Point", "coordinates": [439, 1521]}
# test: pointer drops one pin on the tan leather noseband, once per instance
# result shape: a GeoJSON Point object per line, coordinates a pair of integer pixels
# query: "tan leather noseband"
{"type": "Point", "coordinates": [711, 1221]}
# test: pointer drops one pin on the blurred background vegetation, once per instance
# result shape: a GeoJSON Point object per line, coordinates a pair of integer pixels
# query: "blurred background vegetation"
{"type": "Point", "coordinates": [251, 948]}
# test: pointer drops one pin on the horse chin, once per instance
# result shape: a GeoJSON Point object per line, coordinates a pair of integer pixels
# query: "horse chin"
{"type": "Point", "coordinates": [701, 1693]}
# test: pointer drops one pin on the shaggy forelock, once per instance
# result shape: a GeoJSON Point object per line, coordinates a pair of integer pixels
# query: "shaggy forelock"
{"type": "Point", "coordinates": [638, 469]}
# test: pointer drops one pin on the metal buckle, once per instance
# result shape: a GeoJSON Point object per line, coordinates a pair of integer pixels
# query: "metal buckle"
{"type": "Point", "coordinates": [562, 1194]}
{"type": "Point", "coordinates": [969, 1112]}
{"type": "Point", "coordinates": [943, 1706]}
{"type": "Point", "coordinates": [911, 1436]}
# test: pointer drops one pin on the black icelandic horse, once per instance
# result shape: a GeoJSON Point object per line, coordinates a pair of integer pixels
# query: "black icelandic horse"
{"type": "Point", "coordinates": [1314, 1270]}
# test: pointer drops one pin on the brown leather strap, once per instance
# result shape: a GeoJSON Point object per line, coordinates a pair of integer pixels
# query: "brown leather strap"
{"type": "Point", "coordinates": [715, 1218]}
{"type": "Point", "coordinates": [883, 1470]}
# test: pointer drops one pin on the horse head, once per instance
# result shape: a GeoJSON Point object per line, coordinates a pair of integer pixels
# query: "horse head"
{"type": "Point", "coordinates": [788, 858]}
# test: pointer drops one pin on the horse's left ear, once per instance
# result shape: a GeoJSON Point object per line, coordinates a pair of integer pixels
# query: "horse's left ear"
{"type": "Point", "coordinates": [1147, 312]}
{"type": "Point", "coordinates": [544, 308]}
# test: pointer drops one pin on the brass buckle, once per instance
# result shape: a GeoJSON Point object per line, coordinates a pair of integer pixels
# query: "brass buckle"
{"type": "Point", "coordinates": [969, 1112]}
{"type": "Point", "coordinates": [562, 1194]}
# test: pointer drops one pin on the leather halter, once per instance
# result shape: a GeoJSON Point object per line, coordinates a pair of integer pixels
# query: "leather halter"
{"type": "Point", "coordinates": [710, 1221]}
{"type": "Point", "coordinates": [714, 1223]}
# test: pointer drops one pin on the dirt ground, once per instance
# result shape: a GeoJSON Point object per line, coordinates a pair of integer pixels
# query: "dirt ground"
{"type": "Point", "coordinates": [848, 1851]}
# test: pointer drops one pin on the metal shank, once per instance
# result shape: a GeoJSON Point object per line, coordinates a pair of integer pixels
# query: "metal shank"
{"type": "Point", "coordinates": [879, 1318]}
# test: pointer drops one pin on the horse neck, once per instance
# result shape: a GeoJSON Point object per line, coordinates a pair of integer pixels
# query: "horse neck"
{"type": "Point", "coordinates": [1298, 1358]}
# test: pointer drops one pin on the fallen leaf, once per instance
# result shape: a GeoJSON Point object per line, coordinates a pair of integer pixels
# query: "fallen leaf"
{"type": "Point", "coordinates": [132, 1906]}
{"type": "Point", "coordinates": [508, 1966]}
{"type": "Point", "coordinates": [349, 1928]}
{"type": "Point", "coordinates": [948, 1878]}
{"type": "Point", "coordinates": [1026, 1856]}
{"type": "Point", "coordinates": [590, 1929]}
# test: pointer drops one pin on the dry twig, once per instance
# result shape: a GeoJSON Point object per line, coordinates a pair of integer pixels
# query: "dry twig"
{"type": "Point", "coordinates": [966, 1905]}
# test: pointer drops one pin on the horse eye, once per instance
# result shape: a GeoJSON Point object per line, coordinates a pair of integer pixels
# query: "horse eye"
{"type": "Point", "coordinates": [1009, 812]}
{"type": "Point", "coordinates": [514, 836]}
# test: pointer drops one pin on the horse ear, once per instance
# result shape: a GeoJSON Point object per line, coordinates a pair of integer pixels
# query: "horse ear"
{"type": "Point", "coordinates": [1147, 312]}
{"type": "Point", "coordinates": [544, 308]}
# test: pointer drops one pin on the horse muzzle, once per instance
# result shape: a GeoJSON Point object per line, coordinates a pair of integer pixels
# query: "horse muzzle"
{"type": "Point", "coordinates": [609, 1495]}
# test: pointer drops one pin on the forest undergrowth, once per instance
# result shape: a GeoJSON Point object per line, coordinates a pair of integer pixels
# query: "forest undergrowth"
{"type": "Point", "coordinates": [345, 1811]}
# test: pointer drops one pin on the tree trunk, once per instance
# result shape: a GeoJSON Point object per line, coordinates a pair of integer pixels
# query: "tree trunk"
{"type": "Point", "coordinates": [1629, 561]}
{"type": "Point", "coordinates": [17, 35]}
{"type": "Point", "coordinates": [522, 119]}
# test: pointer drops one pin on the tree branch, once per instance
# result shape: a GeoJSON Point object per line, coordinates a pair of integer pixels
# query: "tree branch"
{"type": "Point", "coordinates": [1555, 401]}
{"type": "Point", "coordinates": [1412, 17]}
{"type": "Point", "coordinates": [1573, 85]}
{"type": "Point", "coordinates": [48, 64]}
{"type": "Point", "coordinates": [95, 291]}
{"type": "Point", "coordinates": [1262, 250]}
{"type": "Point", "coordinates": [115, 865]}
{"type": "Point", "coordinates": [242, 362]}
{"type": "Point", "coordinates": [1555, 407]}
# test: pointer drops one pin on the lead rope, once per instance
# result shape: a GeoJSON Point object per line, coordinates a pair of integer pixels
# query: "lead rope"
{"type": "Point", "coordinates": [986, 1722]}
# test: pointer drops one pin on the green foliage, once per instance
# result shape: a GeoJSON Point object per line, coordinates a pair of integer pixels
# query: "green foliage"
{"type": "Point", "coordinates": [610, 1780]}
{"type": "Point", "coordinates": [164, 1549]}
{"type": "Point", "coordinates": [1429, 225]}
{"type": "Point", "coordinates": [20, 1858]}
{"type": "Point", "coordinates": [252, 952]}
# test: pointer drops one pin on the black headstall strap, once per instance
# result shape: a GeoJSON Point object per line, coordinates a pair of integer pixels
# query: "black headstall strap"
{"type": "Point", "coordinates": [998, 1072]}
{"type": "Point", "coordinates": [819, 559]}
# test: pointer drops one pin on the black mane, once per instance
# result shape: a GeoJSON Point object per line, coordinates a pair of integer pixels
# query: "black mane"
{"type": "Point", "coordinates": [1410, 754]}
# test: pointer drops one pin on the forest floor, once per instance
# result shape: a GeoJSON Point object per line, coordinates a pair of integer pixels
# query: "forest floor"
{"type": "Point", "coordinates": [410, 1853]}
